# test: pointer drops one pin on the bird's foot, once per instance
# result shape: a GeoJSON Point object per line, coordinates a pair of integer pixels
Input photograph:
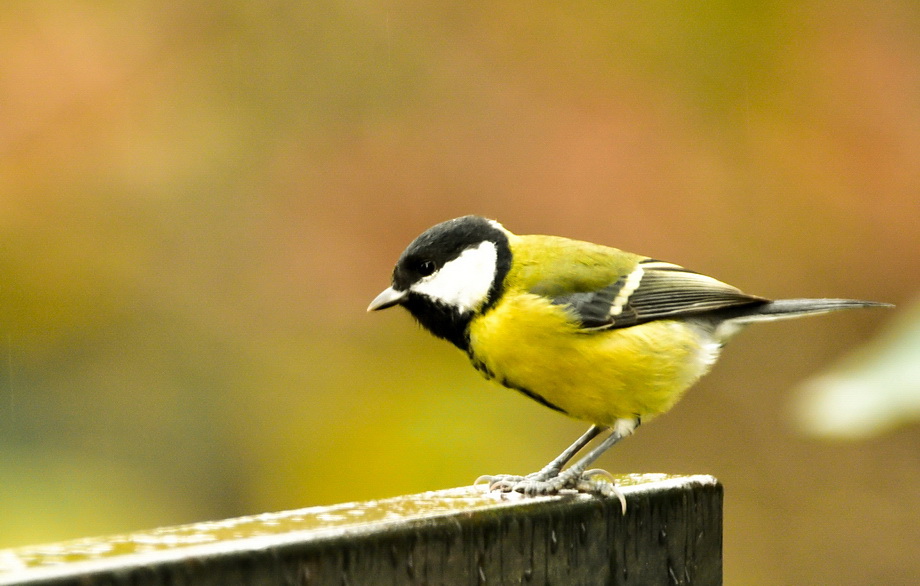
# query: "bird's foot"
{"type": "Point", "coordinates": [499, 482]}
{"type": "Point", "coordinates": [601, 482]}
{"type": "Point", "coordinates": [596, 481]}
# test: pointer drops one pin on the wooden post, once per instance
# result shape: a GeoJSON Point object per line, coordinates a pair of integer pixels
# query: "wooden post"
{"type": "Point", "coordinates": [670, 534]}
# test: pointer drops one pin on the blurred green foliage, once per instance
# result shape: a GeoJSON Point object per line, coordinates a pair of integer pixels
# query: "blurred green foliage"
{"type": "Point", "coordinates": [198, 199]}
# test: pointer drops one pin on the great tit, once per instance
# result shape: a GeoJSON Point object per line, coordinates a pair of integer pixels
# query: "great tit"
{"type": "Point", "coordinates": [599, 334]}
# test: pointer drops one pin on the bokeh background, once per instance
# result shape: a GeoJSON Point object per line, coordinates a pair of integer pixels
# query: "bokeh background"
{"type": "Point", "coordinates": [199, 199]}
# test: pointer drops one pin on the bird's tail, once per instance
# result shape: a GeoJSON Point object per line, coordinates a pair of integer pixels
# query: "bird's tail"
{"type": "Point", "coordinates": [790, 308]}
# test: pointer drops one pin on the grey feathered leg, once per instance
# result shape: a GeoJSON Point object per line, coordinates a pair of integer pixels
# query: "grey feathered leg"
{"type": "Point", "coordinates": [578, 477]}
{"type": "Point", "coordinates": [508, 482]}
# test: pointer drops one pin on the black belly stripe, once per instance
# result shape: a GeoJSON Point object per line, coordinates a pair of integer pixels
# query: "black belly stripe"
{"type": "Point", "coordinates": [486, 372]}
{"type": "Point", "coordinates": [482, 368]}
{"type": "Point", "coordinates": [533, 396]}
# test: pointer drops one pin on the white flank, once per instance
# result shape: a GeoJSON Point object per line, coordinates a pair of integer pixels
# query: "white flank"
{"type": "Point", "coordinates": [709, 353]}
{"type": "Point", "coordinates": [624, 427]}
{"type": "Point", "coordinates": [465, 281]}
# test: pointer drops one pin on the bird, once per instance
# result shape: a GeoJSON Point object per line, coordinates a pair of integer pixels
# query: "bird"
{"type": "Point", "coordinates": [599, 334]}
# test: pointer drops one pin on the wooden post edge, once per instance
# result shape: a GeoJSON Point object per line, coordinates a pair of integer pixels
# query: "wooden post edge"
{"type": "Point", "coordinates": [670, 534]}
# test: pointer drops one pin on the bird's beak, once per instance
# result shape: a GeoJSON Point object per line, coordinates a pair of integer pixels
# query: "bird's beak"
{"type": "Point", "coordinates": [388, 298]}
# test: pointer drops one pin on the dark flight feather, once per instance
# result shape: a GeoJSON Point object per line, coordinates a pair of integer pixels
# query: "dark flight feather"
{"type": "Point", "coordinates": [663, 291]}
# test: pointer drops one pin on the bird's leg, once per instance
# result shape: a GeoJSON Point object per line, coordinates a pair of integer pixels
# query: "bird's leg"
{"type": "Point", "coordinates": [552, 469]}
{"type": "Point", "coordinates": [507, 482]}
{"type": "Point", "coordinates": [576, 477]}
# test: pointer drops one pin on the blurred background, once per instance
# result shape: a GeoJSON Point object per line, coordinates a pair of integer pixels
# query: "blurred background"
{"type": "Point", "coordinates": [199, 199]}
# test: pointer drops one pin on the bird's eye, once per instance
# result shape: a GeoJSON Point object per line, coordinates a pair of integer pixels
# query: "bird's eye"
{"type": "Point", "coordinates": [426, 267]}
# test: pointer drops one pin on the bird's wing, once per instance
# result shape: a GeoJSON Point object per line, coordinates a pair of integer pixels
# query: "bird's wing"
{"type": "Point", "coordinates": [653, 290]}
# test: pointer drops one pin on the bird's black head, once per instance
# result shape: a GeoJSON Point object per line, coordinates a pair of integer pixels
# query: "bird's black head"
{"type": "Point", "coordinates": [450, 273]}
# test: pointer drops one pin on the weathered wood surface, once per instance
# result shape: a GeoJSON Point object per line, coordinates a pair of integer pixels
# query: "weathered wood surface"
{"type": "Point", "coordinates": [671, 534]}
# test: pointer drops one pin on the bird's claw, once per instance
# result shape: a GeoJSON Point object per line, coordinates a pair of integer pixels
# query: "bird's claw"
{"type": "Point", "coordinates": [598, 481]}
{"type": "Point", "coordinates": [498, 482]}
{"type": "Point", "coordinates": [594, 481]}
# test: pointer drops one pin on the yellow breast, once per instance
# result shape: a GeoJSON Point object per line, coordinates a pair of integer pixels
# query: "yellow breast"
{"type": "Point", "coordinates": [527, 343]}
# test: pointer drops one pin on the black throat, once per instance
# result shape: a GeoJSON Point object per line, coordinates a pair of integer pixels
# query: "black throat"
{"type": "Point", "coordinates": [441, 320]}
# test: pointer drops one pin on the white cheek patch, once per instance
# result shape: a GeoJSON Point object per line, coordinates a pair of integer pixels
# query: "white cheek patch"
{"type": "Point", "coordinates": [463, 282]}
